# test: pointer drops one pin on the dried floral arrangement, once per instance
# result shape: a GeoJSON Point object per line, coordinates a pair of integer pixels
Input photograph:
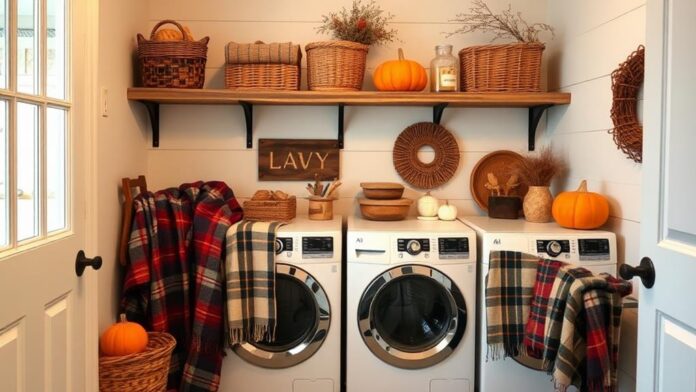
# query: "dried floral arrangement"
{"type": "Point", "coordinates": [365, 23]}
{"type": "Point", "coordinates": [496, 189]}
{"type": "Point", "coordinates": [539, 170]}
{"type": "Point", "coordinates": [508, 24]}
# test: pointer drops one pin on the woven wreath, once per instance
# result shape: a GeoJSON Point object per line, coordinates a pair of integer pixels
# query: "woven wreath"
{"type": "Point", "coordinates": [413, 170]}
{"type": "Point", "coordinates": [625, 84]}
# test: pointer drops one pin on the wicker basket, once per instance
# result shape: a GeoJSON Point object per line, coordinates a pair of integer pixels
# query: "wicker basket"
{"type": "Point", "coordinates": [143, 372]}
{"type": "Point", "coordinates": [172, 64]}
{"type": "Point", "coordinates": [262, 76]}
{"type": "Point", "coordinates": [336, 65]}
{"type": "Point", "coordinates": [271, 210]}
{"type": "Point", "coordinates": [501, 68]}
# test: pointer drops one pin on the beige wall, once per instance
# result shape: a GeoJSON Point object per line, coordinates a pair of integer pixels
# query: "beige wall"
{"type": "Point", "coordinates": [120, 139]}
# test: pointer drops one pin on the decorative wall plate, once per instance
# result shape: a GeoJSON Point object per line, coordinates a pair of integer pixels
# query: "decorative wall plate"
{"type": "Point", "coordinates": [420, 174]}
{"type": "Point", "coordinates": [501, 163]}
{"type": "Point", "coordinates": [625, 85]}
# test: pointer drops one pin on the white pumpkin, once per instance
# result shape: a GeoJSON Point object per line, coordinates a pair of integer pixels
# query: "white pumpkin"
{"type": "Point", "coordinates": [427, 206]}
{"type": "Point", "coordinates": [447, 212]}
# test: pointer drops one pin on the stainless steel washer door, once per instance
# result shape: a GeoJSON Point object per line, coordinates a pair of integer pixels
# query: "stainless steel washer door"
{"type": "Point", "coordinates": [412, 316]}
{"type": "Point", "coordinates": [303, 320]}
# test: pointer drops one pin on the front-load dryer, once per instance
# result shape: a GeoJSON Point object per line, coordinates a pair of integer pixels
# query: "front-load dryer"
{"type": "Point", "coordinates": [306, 354]}
{"type": "Point", "coordinates": [410, 298]}
{"type": "Point", "coordinates": [592, 249]}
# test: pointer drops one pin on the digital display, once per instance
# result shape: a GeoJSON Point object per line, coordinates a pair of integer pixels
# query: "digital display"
{"type": "Point", "coordinates": [317, 246]}
{"type": "Point", "coordinates": [594, 246]}
{"type": "Point", "coordinates": [453, 245]}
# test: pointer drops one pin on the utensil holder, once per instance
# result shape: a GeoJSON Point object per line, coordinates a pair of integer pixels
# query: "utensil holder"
{"type": "Point", "coordinates": [320, 209]}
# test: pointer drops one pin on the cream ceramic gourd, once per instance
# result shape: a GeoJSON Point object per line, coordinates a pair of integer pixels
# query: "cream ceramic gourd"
{"type": "Point", "coordinates": [447, 212]}
{"type": "Point", "coordinates": [427, 206]}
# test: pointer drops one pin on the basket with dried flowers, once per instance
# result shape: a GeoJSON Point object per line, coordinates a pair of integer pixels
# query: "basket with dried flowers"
{"type": "Point", "coordinates": [537, 171]}
{"type": "Point", "coordinates": [340, 64]}
{"type": "Point", "coordinates": [504, 67]}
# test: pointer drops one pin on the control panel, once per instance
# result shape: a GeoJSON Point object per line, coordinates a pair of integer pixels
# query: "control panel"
{"type": "Point", "coordinates": [413, 246]}
{"type": "Point", "coordinates": [283, 244]}
{"type": "Point", "coordinates": [317, 247]}
{"type": "Point", "coordinates": [575, 249]}
{"type": "Point", "coordinates": [451, 248]}
{"type": "Point", "coordinates": [553, 248]}
{"type": "Point", "coordinates": [299, 248]}
{"type": "Point", "coordinates": [594, 249]}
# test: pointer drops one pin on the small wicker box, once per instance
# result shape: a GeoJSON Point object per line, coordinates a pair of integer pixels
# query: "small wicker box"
{"type": "Point", "coordinates": [271, 210]}
{"type": "Point", "coordinates": [261, 66]}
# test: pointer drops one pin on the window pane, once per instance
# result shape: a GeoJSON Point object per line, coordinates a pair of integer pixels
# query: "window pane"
{"type": "Point", "coordinates": [27, 171]}
{"type": "Point", "coordinates": [3, 44]}
{"type": "Point", "coordinates": [27, 45]}
{"type": "Point", "coordinates": [4, 200]}
{"type": "Point", "coordinates": [56, 168]}
{"type": "Point", "coordinates": [55, 83]}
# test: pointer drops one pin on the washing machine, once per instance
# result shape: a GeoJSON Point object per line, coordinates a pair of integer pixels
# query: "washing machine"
{"type": "Point", "coordinates": [306, 354]}
{"type": "Point", "coordinates": [410, 299]}
{"type": "Point", "coordinates": [592, 249]}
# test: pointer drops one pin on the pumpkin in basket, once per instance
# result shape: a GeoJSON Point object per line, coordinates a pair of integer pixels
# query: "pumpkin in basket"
{"type": "Point", "coordinates": [580, 209]}
{"type": "Point", "coordinates": [173, 35]}
{"type": "Point", "coordinates": [400, 75]}
{"type": "Point", "coordinates": [123, 338]}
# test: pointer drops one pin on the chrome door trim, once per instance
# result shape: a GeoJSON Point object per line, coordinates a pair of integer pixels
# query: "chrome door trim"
{"type": "Point", "coordinates": [403, 359]}
{"type": "Point", "coordinates": [313, 341]}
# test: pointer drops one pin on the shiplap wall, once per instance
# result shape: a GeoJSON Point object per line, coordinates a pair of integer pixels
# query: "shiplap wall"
{"type": "Point", "coordinates": [209, 142]}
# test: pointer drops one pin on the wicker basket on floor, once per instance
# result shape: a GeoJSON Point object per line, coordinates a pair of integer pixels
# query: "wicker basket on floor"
{"type": "Point", "coordinates": [142, 372]}
{"type": "Point", "coordinates": [172, 64]}
{"type": "Point", "coordinates": [271, 210]}
{"type": "Point", "coordinates": [501, 68]}
{"type": "Point", "coordinates": [336, 65]}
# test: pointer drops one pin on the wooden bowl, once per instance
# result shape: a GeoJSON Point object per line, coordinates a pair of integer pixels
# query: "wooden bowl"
{"type": "Point", "coordinates": [385, 210]}
{"type": "Point", "coordinates": [382, 190]}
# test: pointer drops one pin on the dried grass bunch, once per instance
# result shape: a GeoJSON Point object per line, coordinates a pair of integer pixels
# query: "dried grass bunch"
{"type": "Point", "coordinates": [364, 23]}
{"type": "Point", "coordinates": [507, 24]}
{"type": "Point", "coordinates": [539, 170]}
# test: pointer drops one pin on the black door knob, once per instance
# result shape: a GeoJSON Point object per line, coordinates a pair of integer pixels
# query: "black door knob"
{"type": "Point", "coordinates": [82, 262]}
{"type": "Point", "coordinates": [645, 271]}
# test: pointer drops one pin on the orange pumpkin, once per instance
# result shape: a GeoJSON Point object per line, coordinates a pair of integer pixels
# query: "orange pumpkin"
{"type": "Point", "coordinates": [173, 34]}
{"type": "Point", "coordinates": [400, 75]}
{"type": "Point", "coordinates": [580, 209]}
{"type": "Point", "coordinates": [123, 338]}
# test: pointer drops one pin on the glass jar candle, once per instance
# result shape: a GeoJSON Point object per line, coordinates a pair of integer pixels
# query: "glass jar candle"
{"type": "Point", "coordinates": [444, 70]}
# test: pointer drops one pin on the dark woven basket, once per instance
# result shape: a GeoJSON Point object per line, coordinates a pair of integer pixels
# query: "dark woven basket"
{"type": "Point", "coordinates": [172, 64]}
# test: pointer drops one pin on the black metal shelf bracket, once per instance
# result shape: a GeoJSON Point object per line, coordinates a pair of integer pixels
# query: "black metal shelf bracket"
{"type": "Point", "coordinates": [339, 138]}
{"type": "Point", "coordinates": [154, 113]}
{"type": "Point", "coordinates": [535, 113]}
{"type": "Point", "coordinates": [249, 119]}
{"type": "Point", "coordinates": [437, 112]}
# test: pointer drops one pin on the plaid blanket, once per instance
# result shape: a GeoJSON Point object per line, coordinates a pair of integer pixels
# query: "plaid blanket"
{"type": "Point", "coordinates": [173, 281]}
{"type": "Point", "coordinates": [250, 277]}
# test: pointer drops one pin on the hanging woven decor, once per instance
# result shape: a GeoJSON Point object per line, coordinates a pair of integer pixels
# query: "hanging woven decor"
{"type": "Point", "coordinates": [418, 173]}
{"type": "Point", "coordinates": [625, 85]}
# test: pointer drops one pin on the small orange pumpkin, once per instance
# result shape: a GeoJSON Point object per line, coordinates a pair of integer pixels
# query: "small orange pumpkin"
{"type": "Point", "coordinates": [400, 75]}
{"type": "Point", "coordinates": [123, 338]}
{"type": "Point", "coordinates": [173, 34]}
{"type": "Point", "coordinates": [580, 209]}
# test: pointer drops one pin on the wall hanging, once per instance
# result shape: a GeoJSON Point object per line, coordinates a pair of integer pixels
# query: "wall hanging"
{"type": "Point", "coordinates": [418, 173]}
{"type": "Point", "coordinates": [626, 82]}
{"type": "Point", "coordinates": [298, 159]}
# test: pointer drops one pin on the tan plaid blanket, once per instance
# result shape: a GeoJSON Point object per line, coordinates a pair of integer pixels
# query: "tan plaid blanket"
{"type": "Point", "coordinates": [261, 53]}
{"type": "Point", "coordinates": [250, 277]}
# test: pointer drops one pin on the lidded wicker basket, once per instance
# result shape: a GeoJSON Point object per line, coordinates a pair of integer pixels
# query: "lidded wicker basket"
{"type": "Point", "coordinates": [501, 68]}
{"type": "Point", "coordinates": [261, 66]}
{"type": "Point", "coordinates": [271, 210]}
{"type": "Point", "coordinates": [336, 65]}
{"type": "Point", "coordinates": [142, 372]}
{"type": "Point", "coordinates": [172, 64]}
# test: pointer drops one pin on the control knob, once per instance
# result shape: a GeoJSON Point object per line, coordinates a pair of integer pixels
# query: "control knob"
{"type": "Point", "coordinates": [554, 248]}
{"type": "Point", "coordinates": [413, 247]}
{"type": "Point", "coordinates": [279, 246]}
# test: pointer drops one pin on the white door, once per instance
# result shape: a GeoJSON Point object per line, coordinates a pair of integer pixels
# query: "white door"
{"type": "Point", "coordinates": [667, 316]}
{"type": "Point", "coordinates": [46, 119]}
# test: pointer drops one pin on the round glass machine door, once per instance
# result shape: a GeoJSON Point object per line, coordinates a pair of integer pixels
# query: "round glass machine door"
{"type": "Point", "coordinates": [412, 316]}
{"type": "Point", "coordinates": [303, 317]}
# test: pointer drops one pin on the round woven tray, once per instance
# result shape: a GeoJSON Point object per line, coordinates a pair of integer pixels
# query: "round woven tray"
{"type": "Point", "coordinates": [426, 175]}
{"type": "Point", "coordinates": [625, 85]}
{"type": "Point", "coordinates": [142, 372]}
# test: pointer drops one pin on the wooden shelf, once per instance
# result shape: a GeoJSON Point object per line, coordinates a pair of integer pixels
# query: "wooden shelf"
{"type": "Point", "coordinates": [152, 98]}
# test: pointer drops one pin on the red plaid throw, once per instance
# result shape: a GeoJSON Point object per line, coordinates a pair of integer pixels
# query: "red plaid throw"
{"type": "Point", "coordinates": [177, 233]}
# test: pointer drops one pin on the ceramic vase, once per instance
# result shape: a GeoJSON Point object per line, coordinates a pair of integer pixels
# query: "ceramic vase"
{"type": "Point", "coordinates": [537, 204]}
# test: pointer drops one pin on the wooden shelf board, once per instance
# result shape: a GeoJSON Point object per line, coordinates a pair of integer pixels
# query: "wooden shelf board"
{"type": "Point", "coordinates": [352, 98]}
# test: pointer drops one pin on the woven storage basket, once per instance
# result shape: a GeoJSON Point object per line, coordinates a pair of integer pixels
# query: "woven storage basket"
{"type": "Point", "coordinates": [172, 64]}
{"type": "Point", "coordinates": [142, 372]}
{"type": "Point", "coordinates": [502, 68]}
{"type": "Point", "coordinates": [262, 71]}
{"type": "Point", "coordinates": [336, 65]}
{"type": "Point", "coordinates": [271, 210]}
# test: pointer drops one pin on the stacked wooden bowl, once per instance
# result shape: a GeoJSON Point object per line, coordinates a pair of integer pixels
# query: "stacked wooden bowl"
{"type": "Point", "coordinates": [383, 201]}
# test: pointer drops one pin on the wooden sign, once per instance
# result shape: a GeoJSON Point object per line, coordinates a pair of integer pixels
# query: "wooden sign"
{"type": "Point", "coordinates": [298, 159]}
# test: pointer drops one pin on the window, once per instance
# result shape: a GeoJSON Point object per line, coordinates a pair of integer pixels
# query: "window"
{"type": "Point", "coordinates": [34, 120]}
